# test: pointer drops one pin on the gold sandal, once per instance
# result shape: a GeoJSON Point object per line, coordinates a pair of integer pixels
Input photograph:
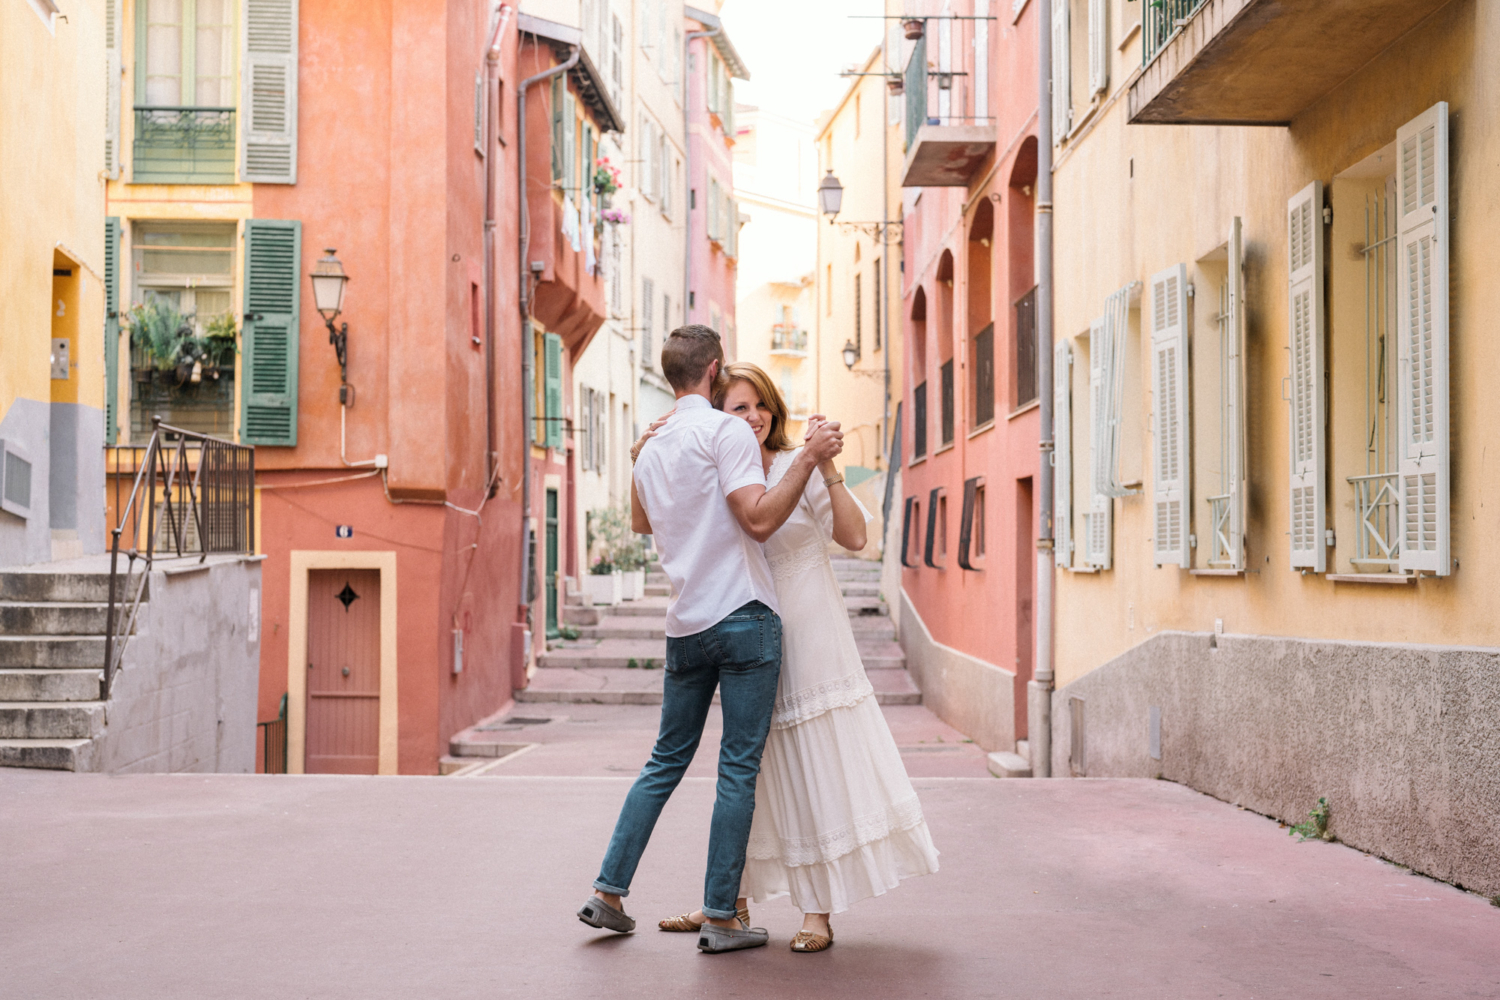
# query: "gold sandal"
{"type": "Point", "coordinates": [808, 942]}
{"type": "Point", "coordinates": [684, 924]}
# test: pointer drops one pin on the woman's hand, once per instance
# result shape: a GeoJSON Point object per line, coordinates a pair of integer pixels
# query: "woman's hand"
{"type": "Point", "coordinates": [826, 468]}
{"type": "Point", "coordinates": [635, 449]}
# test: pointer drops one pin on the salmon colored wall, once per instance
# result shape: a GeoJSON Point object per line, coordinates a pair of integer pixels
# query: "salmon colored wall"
{"type": "Point", "coordinates": [988, 613]}
{"type": "Point", "coordinates": [713, 272]}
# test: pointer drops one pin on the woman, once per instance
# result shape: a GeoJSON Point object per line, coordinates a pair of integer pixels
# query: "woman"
{"type": "Point", "coordinates": [836, 818]}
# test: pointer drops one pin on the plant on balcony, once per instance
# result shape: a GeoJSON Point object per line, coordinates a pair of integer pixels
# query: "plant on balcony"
{"type": "Point", "coordinates": [606, 179]}
{"type": "Point", "coordinates": [615, 217]}
{"type": "Point", "coordinates": [166, 341]}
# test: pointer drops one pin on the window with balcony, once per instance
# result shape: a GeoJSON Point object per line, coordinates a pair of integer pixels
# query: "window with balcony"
{"type": "Point", "coordinates": [949, 131]}
{"type": "Point", "coordinates": [185, 92]}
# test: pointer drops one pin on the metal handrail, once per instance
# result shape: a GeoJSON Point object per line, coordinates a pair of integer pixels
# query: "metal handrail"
{"type": "Point", "coordinates": [220, 485]}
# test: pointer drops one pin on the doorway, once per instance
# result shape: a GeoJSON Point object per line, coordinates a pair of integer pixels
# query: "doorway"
{"type": "Point", "coordinates": [343, 672]}
{"type": "Point", "coordinates": [550, 584]}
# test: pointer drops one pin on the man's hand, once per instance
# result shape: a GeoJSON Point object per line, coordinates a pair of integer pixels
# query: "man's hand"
{"type": "Point", "coordinates": [824, 439]}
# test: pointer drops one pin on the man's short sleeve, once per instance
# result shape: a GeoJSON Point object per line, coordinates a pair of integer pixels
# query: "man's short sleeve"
{"type": "Point", "coordinates": [737, 456]}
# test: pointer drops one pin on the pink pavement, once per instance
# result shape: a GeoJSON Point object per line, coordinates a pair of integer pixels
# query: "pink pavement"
{"type": "Point", "coordinates": [208, 886]}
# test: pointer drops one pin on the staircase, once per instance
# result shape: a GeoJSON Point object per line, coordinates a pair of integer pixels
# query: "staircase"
{"type": "Point", "coordinates": [52, 628]}
{"type": "Point", "coordinates": [618, 656]}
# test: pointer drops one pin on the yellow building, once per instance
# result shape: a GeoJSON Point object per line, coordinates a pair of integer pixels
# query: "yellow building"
{"type": "Point", "coordinates": [1273, 280]}
{"type": "Point", "coordinates": [856, 361]}
{"type": "Point", "coordinates": [53, 269]}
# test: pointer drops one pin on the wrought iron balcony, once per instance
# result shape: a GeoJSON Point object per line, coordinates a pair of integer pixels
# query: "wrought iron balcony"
{"type": "Point", "coordinates": [947, 138]}
{"type": "Point", "coordinates": [788, 340]}
{"type": "Point", "coordinates": [1377, 509]}
{"type": "Point", "coordinates": [182, 145]}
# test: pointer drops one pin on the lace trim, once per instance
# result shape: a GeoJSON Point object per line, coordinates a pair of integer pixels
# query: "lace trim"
{"type": "Point", "coordinates": [785, 565]}
{"type": "Point", "coordinates": [808, 703]}
{"type": "Point", "coordinates": [824, 848]}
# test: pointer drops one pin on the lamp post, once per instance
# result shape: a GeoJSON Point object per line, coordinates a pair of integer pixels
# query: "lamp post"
{"type": "Point", "coordinates": [328, 281]}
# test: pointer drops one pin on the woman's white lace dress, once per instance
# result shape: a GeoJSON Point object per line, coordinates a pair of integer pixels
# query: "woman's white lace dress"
{"type": "Point", "coordinates": [836, 818]}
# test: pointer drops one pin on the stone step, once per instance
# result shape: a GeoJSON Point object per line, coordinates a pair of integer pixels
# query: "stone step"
{"type": "Point", "coordinates": [651, 654]}
{"type": "Point", "coordinates": [60, 652]}
{"type": "Point", "coordinates": [646, 607]}
{"type": "Point", "coordinates": [625, 627]}
{"type": "Point", "coordinates": [81, 588]}
{"type": "Point", "coordinates": [866, 606]}
{"type": "Point", "coordinates": [870, 627]}
{"type": "Point", "coordinates": [860, 589]}
{"type": "Point", "coordinates": [52, 618]}
{"type": "Point", "coordinates": [50, 685]}
{"type": "Point", "coordinates": [51, 720]}
{"type": "Point", "coordinates": [658, 590]}
{"type": "Point", "coordinates": [51, 755]}
{"type": "Point", "coordinates": [579, 615]}
{"type": "Point", "coordinates": [613, 686]}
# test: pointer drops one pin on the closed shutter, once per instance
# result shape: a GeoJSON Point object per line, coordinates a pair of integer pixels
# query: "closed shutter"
{"type": "Point", "coordinates": [1234, 396]}
{"type": "Point", "coordinates": [1062, 454]}
{"type": "Point", "coordinates": [1171, 493]}
{"type": "Point", "coordinates": [558, 171]}
{"type": "Point", "coordinates": [1098, 44]}
{"type": "Point", "coordinates": [112, 91]}
{"type": "Point", "coordinates": [1422, 340]}
{"type": "Point", "coordinates": [268, 104]}
{"type": "Point", "coordinates": [268, 391]}
{"type": "Point", "coordinates": [570, 144]}
{"type": "Point", "coordinates": [1097, 547]}
{"type": "Point", "coordinates": [1062, 98]}
{"type": "Point", "coordinates": [586, 427]}
{"type": "Point", "coordinates": [648, 300]}
{"type": "Point", "coordinates": [552, 387]}
{"type": "Point", "coordinates": [111, 329]}
{"type": "Point", "coordinates": [1305, 326]}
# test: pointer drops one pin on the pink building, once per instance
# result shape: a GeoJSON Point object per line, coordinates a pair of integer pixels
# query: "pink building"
{"type": "Point", "coordinates": [713, 214]}
{"type": "Point", "coordinates": [969, 417]}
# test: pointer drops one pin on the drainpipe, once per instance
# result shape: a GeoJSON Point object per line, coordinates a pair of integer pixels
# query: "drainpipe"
{"type": "Point", "coordinates": [885, 261]}
{"type": "Point", "coordinates": [491, 74]}
{"type": "Point", "coordinates": [687, 159]}
{"type": "Point", "coordinates": [528, 346]}
{"type": "Point", "coordinates": [1039, 691]}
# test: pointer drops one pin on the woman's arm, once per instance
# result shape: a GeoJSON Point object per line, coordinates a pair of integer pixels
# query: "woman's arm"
{"type": "Point", "coordinates": [639, 522]}
{"type": "Point", "coordinates": [848, 519]}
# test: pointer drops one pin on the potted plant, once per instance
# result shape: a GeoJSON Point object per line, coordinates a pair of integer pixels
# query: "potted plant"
{"type": "Point", "coordinates": [631, 559]}
{"type": "Point", "coordinates": [913, 27]}
{"type": "Point", "coordinates": [602, 585]}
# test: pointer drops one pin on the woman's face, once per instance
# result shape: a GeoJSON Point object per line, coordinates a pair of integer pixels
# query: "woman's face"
{"type": "Point", "coordinates": [744, 402]}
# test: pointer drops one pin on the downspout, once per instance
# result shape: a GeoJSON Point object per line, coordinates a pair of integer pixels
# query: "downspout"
{"type": "Point", "coordinates": [687, 160]}
{"type": "Point", "coordinates": [528, 347]}
{"type": "Point", "coordinates": [491, 74]}
{"type": "Point", "coordinates": [1039, 690]}
{"type": "Point", "coordinates": [882, 321]}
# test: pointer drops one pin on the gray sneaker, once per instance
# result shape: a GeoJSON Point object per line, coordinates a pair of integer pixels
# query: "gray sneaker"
{"type": "Point", "coordinates": [597, 913]}
{"type": "Point", "coordinates": [713, 939]}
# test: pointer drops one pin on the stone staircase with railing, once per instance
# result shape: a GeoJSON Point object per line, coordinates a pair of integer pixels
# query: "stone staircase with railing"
{"type": "Point", "coordinates": [620, 650]}
{"type": "Point", "coordinates": [52, 628]}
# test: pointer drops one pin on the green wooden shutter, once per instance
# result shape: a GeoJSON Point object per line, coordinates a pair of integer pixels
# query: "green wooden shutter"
{"type": "Point", "coordinates": [111, 328]}
{"type": "Point", "coordinates": [268, 102]}
{"type": "Point", "coordinates": [557, 128]}
{"type": "Point", "coordinates": [268, 391]}
{"type": "Point", "coordinates": [553, 389]}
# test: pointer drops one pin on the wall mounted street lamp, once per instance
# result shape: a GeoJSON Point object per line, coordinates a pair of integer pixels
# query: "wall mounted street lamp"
{"type": "Point", "coordinates": [851, 354]}
{"type": "Point", "coordinates": [830, 195]}
{"type": "Point", "coordinates": [831, 199]}
{"type": "Point", "coordinates": [328, 281]}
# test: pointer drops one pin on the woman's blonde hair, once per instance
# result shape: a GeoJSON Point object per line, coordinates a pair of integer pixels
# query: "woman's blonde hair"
{"type": "Point", "coordinates": [744, 371]}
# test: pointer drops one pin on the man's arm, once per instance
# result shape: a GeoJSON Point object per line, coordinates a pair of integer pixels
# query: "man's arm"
{"type": "Point", "coordinates": [761, 511]}
{"type": "Point", "coordinates": [639, 522]}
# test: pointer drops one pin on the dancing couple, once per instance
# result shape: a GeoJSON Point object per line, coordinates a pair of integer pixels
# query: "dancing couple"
{"type": "Point", "coordinates": [742, 523]}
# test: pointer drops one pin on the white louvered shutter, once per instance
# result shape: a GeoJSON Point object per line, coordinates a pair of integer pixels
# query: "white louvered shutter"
{"type": "Point", "coordinates": [1098, 44]}
{"type": "Point", "coordinates": [1099, 521]}
{"type": "Point", "coordinates": [1234, 415]}
{"type": "Point", "coordinates": [1062, 454]}
{"type": "Point", "coordinates": [1062, 99]}
{"type": "Point", "coordinates": [1171, 494]}
{"type": "Point", "coordinates": [268, 100]}
{"type": "Point", "coordinates": [1422, 339]}
{"type": "Point", "coordinates": [1305, 326]}
{"type": "Point", "coordinates": [112, 89]}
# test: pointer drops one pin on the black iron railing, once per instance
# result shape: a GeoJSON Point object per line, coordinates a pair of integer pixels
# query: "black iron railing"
{"type": "Point", "coordinates": [786, 338]}
{"type": "Point", "coordinates": [184, 145]}
{"type": "Point", "coordinates": [1161, 20]}
{"type": "Point", "coordinates": [190, 494]}
{"type": "Point", "coordinates": [919, 421]}
{"type": "Point", "coordinates": [273, 742]}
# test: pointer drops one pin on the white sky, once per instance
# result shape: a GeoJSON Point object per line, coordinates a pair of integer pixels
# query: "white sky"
{"type": "Point", "coordinates": [795, 50]}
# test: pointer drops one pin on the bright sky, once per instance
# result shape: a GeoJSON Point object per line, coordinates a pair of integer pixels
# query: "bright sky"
{"type": "Point", "coordinates": [795, 50]}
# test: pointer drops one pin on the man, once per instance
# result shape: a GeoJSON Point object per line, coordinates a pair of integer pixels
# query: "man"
{"type": "Point", "coordinates": [700, 485]}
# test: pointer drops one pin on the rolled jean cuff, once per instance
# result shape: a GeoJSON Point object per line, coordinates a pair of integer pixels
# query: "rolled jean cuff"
{"type": "Point", "coordinates": [719, 914]}
{"type": "Point", "coordinates": [605, 887]}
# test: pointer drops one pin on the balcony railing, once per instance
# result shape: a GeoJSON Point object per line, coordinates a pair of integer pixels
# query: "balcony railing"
{"type": "Point", "coordinates": [1161, 20]}
{"type": "Point", "coordinates": [1221, 554]}
{"type": "Point", "coordinates": [786, 340]}
{"type": "Point", "coordinates": [1377, 509]}
{"type": "Point", "coordinates": [182, 145]}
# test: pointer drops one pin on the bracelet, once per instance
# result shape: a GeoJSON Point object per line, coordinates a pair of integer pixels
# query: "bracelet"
{"type": "Point", "coordinates": [836, 478]}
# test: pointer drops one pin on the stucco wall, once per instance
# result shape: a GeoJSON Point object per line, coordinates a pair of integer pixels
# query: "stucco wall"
{"type": "Point", "coordinates": [972, 696]}
{"type": "Point", "coordinates": [1401, 739]}
{"type": "Point", "coordinates": [185, 696]}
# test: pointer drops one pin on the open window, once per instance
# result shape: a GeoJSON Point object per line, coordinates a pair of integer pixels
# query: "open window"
{"type": "Point", "coordinates": [981, 326]}
{"type": "Point", "coordinates": [971, 533]}
{"type": "Point", "coordinates": [936, 547]}
{"type": "Point", "coordinates": [918, 342]}
{"type": "Point", "coordinates": [1113, 462]}
{"type": "Point", "coordinates": [911, 526]}
{"type": "Point", "coordinates": [945, 359]}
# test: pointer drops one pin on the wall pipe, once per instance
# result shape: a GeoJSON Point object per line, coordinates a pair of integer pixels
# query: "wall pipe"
{"type": "Point", "coordinates": [1039, 690]}
{"type": "Point", "coordinates": [687, 159]}
{"type": "Point", "coordinates": [491, 75]}
{"type": "Point", "coordinates": [528, 347]}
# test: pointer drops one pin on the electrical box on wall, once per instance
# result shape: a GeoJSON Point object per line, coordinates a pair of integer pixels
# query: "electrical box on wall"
{"type": "Point", "coordinates": [59, 358]}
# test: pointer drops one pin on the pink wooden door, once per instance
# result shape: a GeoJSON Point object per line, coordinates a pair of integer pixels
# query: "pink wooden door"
{"type": "Point", "coordinates": [343, 672]}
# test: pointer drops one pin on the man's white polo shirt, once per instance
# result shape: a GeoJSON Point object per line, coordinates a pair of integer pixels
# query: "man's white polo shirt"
{"type": "Point", "coordinates": [682, 477]}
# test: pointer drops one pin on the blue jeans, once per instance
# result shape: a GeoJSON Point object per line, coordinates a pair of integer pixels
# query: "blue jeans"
{"type": "Point", "coordinates": [741, 655]}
